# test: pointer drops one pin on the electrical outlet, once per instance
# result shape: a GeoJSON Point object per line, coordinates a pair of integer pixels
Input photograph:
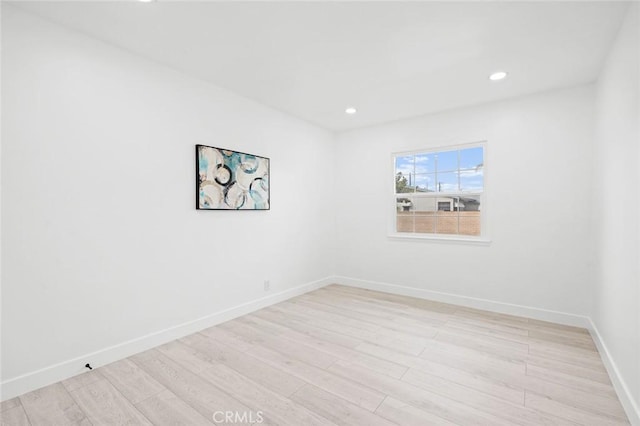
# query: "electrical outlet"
{"type": "Point", "coordinates": [267, 285]}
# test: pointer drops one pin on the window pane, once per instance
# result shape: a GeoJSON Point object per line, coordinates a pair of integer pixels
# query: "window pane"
{"type": "Point", "coordinates": [470, 216]}
{"type": "Point", "coordinates": [470, 204]}
{"type": "Point", "coordinates": [425, 163]}
{"type": "Point", "coordinates": [447, 215]}
{"type": "Point", "coordinates": [447, 161]}
{"type": "Point", "coordinates": [447, 204]}
{"type": "Point", "coordinates": [404, 222]}
{"type": "Point", "coordinates": [404, 164]}
{"type": "Point", "coordinates": [425, 223]}
{"type": "Point", "coordinates": [470, 223]}
{"type": "Point", "coordinates": [404, 215]}
{"type": "Point", "coordinates": [471, 158]}
{"type": "Point", "coordinates": [422, 205]}
{"type": "Point", "coordinates": [425, 210]}
{"type": "Point", "coordinates": [447, 223]}
{"type": "Point", "coordinates": [425, 183]}
{"type": "Point", "coordinates": [405, 182]}
{"type": "Point", "coordinates": [404, 204]}
{"type": "Point", "coordinates": [472, 180]}
{"type": "Point", "coordinates": [447, 182]}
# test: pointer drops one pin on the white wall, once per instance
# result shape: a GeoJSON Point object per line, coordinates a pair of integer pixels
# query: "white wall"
{"type": "Point", "coordinates": [538, 188]}
{"type": "Point", "coordinates": [617, 180]}
{"type": "Point", "coordinates": [98, 201]}
{"type": "Point", "coordinates": [102, 242]}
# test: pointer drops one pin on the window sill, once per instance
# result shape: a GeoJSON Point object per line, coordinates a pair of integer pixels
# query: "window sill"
{"type": "Point", "coordinates": [441, 239]}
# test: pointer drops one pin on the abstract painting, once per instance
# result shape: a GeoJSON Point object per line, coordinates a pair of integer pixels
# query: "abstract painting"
{"type": "Point", "coordinates": [231, 180]}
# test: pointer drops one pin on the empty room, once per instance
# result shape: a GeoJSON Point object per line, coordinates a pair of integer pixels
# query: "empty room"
{"type": "Point", "coordinates": [307, 213]}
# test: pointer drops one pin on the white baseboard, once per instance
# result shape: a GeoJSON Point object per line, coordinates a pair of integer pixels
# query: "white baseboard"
{"type": "Point", "coordinates": [64, 370]}
{"type": "Point", "coordinates": [626, 399]}
{"type": "Point", "coordinates": [471, 302]}
{"type": "Point", "coordinates": [619, 384]}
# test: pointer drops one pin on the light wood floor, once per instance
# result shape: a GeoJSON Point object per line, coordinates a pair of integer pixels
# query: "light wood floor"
{"type": "Point", "coordinates": [346, 356]}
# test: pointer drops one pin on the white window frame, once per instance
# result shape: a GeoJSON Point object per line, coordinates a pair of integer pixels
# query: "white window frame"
{"type": "Point", "coordinates": [482, 239]}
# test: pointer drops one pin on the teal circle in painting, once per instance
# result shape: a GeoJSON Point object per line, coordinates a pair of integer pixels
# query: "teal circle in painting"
{"type": "Point", "coordinates": [249, 163]}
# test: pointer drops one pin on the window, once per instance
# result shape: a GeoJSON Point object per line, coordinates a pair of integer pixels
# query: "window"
{"type": "Point", "coordinates": [440, 192]}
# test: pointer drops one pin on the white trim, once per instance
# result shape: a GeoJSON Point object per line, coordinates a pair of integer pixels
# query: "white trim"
{"type": "Point", "coordinates": [622, 390]}
{"type": "Point", "coordinates": [66, 369]}
{"type": "Point", "coordinates": [471, 302]}
{"type": "Point", "coordinates": [439, 238]}
{"type": "Point", "coordinates": [443, 147]}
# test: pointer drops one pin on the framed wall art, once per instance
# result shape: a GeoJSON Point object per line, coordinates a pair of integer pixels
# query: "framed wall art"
{"type": "Point", "coordinates": [231, 180]}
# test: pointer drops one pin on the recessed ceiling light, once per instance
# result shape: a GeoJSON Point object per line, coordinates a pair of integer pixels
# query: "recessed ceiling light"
{"type": "Point", "coordinates": [146, 1]}
{"type": "Point", "coordinates": [351, 110]}
{"type": "Point", "coordinates": [499, 75]}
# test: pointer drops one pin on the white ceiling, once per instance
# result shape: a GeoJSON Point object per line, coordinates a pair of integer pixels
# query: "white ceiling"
{"type": "Point", "coordinates": [390, 60]}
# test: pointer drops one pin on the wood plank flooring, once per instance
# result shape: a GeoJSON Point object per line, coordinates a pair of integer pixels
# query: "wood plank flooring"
{"type": "Point", "coordinates": [348, 357]}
